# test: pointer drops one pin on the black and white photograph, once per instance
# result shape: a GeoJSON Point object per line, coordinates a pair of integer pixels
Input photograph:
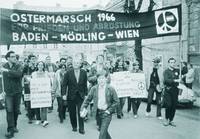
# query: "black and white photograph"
{"type": "Point", "coordinates": [99, 69]}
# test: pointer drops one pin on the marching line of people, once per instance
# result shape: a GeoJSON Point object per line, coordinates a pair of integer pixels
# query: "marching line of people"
{"type": "Point", "coordinates": [69, 85]}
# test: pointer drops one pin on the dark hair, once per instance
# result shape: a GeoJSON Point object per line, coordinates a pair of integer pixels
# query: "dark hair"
{"type": "Point", "coordinates": [94, 62]}
{"type": "Point", "coordinates": [30, 56]}
{"type": "Point", "coordinates": [69, 57]}
{"type": "Point", "coordinates": [17, 57]}
{"type": "Point", "coordinates": [136, 63]}
{"type": "Point", "coordinates": [185, 63]}
{"type": "Point", "coordinates": [117, 63]}
{"type": "Point", "coordinates": [63, 59]}
{"type": "Point", "coordinates": [48, 57]}
{"type": "Point", "coordinates": [8, 54]}
{"type": "Point", "coordinates": [85, 63]}
{"type": "Point", "coordinates": [99, 56]}
{"type": "Point", "coordinates": [190, 65]}
{"type": "Point", "coordinates": [171, 59]}
{"type": "Point", "coordinates": [25, 59]}
{"type": "Point", "coordinates": [127, 62]}
{"type": "Point", "coordinates": [104, 72]}
{"type": "Point", "coordinates": [61, 65]}
{"type": "Point", "coordinates": [43, 65]}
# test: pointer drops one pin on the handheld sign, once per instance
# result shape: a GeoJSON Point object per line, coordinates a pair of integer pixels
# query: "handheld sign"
{"type": "Point", "coordinates": [40, 92]}
{"type": "Point", "coordinates": [129, 84]}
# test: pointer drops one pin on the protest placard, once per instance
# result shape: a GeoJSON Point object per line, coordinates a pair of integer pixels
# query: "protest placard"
{"type": "Point", "coordinates": [40, 96]}
{"type": "Point", "coordinates": [129, 84]}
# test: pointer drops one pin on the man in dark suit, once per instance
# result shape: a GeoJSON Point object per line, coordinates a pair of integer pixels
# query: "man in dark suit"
{"type": "Point", "coordinates": [75, 84]}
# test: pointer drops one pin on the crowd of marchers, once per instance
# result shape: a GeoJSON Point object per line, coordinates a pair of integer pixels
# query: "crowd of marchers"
{"type": "Point", "coordinates": [84, 89]}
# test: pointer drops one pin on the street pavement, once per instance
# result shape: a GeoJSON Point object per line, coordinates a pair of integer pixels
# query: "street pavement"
{"type": "Point", "coordinates": [187, 121]}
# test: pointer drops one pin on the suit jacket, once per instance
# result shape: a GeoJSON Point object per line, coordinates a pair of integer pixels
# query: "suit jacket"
{"type": "Point", "coordinates": [111, 99]}
{"type": "Point", "coordinates": [71, 87]}
{"type": "Point", "coordinates": [12, 79]}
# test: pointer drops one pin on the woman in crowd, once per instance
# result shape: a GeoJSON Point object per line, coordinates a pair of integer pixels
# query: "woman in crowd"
{"type": "Point", "coordinates": [109, 66]}
{"type": "Point", "coordinates": [119, 67]}
{"type": "Point", "coordinates": [135, 101]}
{"type": "Point", "coordinates": [40, 73]}
{"type": "Point", "coordinates": [189, 76]}
{"type": "Point", "coordinates": [56, 89]}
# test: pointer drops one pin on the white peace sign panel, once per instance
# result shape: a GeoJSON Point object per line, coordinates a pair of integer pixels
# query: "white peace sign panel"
{"type": "Point", "coordinates": [167, 21]}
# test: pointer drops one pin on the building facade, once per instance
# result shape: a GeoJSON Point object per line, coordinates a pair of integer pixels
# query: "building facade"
{"type": "Point", "coordinates": [193, 40]}
{"type": "Point", "coordinates": [185, 47]}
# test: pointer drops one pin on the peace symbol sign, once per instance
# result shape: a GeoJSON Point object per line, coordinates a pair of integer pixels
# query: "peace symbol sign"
{"type": "Point", "coordinates": [141, 86]}
{"type": "Point", "coordinates": [167, 21]}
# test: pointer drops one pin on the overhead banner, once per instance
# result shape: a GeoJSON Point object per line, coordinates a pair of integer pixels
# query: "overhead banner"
{"type": "Point", "coordinates": [92, 26]}
{"type": "Point", "coordinates": [129, 84]}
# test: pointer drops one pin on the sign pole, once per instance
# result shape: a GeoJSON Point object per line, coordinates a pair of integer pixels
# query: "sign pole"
{"type": "Point", "coordinates": [180, 56]}
{"type": "Point", "coordinates": [2, 83]}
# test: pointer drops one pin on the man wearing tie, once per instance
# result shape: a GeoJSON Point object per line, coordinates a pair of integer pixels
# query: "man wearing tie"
{"type": "Point", "coordinates": [75, 82]}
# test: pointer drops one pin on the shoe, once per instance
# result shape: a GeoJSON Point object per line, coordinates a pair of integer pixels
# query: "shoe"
{"type": "Point", "coordinates": [37, 122]}
{"type": "Point", "coordinates": [82, 132]}
{"type": "Point", "coordinates": [61, 120]}
{"type": "Point", "coordinates": [119, 116]}
{"type": "Point", "coordinates": [172, 124]}
{"type": "Point", "coordinates": [135, 116]}
{"type": "Point", "coordinates": [49, 111]}
{"type": "Point", "coordinates": [74, 129]}
{"type": "Point", "coordinates": [15, 130]}
{"type": "Point", "coordinates": [166, 123]}
{"type": "Point", "coordinates": [160, 118]}
{"type": "Point", "coordinates": [98, 128]}
{"type": "Point", "coordinates": [147, 114]}
{"type": "Point", "coordinates": [86, 118]}
{"type": "Point", "coordinates": [30, 121]}
{"type": "Point", "coordinates": [45, 123]}
{"type": "Point", "coordinates": [9, 135]}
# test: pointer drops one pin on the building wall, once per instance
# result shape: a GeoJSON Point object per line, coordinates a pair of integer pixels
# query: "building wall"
{"type": "Point", "coordinates": [194, 27]}
{"type": "Point", "coordinates": [194, 40]}
{"type": "Point", "coordinates": [164, 47]}
{"type": "Point", "coordinates": [183, 48]}
{"type": "Point", "coordinates": [172, 45]}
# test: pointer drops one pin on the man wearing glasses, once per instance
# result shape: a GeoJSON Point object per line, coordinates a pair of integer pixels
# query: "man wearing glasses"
{"type": "Point", "coordinates": [12, 75]}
